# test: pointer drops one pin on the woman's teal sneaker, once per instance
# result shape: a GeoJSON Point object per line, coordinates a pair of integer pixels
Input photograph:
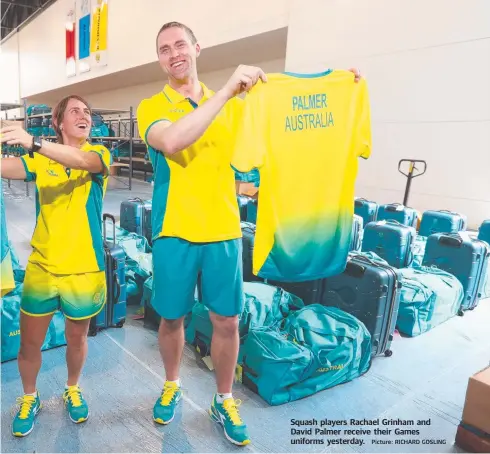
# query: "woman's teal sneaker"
{"type": "Point", "coordinates": [164, 409]}
{"type": "Point", "coordinates": [75, 404]}
{"type": "Point", "coordinates": [227, 415]}
{"type": "Point", "coordinates": [24, 419]}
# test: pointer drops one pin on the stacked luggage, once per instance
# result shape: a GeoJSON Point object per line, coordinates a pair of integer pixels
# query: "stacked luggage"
{"type": "Point", "coordinates": [369, 289]}
{"type": "Point", "coordinates": [289, 351]}
{"type": "Point", "coordinates": [100, 128]}
{"type": "Point", "coordinates": [443, 270]}
{"type": "Point", "coordinates": [464, 257]}
{"type": "Point", "coordinates": [135, 216]}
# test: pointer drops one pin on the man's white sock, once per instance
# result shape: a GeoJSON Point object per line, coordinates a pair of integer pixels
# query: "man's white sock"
{"type": "Point", "coordinates": [220, 397]}
{"type": "Point", "coordinates": [177, 382]}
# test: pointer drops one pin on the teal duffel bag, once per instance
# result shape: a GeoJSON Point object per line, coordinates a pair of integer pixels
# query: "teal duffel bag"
{"type": "Point", "coordinates": [55, 337]}
{"type": "Point", "coordinates": [11, 323]}
{"type": "Point", "coordinates": [316, 348]}
{"type": "Point", "coordinates": [429, 297]}
{"type": "Point", "coordinates": [136, 276]}
{"type": "Point", "coordinates": [265, 305]}
{"type": "Point", "coordinates": [418, 251]}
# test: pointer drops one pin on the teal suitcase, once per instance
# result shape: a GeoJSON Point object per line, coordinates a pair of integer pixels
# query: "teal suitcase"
{"type": "Point", "coordinates": [442, 221]}
{"type": "Point", "coordinates": [398, 212]}
{"type": "Point", "coordinates": [391, 241]}
{"type": "Point", "coordinates": [464, 257]}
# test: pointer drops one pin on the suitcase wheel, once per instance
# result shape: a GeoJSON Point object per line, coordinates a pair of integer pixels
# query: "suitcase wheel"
{"type": "Point", "coordinates": [120, 324]}
{"type": "Point", "coordinates": [460, 313]}
{"type": "Point", "coordinates": [388, 353]}
{"type": "Point", "coordinates": [92, 332]}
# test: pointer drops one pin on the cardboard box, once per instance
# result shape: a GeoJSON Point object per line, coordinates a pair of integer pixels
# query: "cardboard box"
{"type": "Point", "coordinates": [471, 442]}
{"type": "Point", "coordinates": [476, 410]}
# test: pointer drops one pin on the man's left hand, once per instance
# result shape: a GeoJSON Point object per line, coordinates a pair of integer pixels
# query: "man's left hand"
{"type": "Point", "coordinates": [357, 74]}
{"type": "Point", "coordinates": [16, 135]}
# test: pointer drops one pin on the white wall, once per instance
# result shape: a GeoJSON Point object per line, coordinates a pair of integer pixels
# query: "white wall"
{"type": "Point", "coordinates": [132, 96]}
{"type": "Point", "coordinates": [131, 34]}
{"type": "Point", "coordinates": [427, 65]}
{"type": "Point", "coordinates": [9, 77]}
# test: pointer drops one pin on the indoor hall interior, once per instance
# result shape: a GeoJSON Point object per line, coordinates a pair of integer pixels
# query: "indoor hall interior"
{"type": "Point", "coordinates": [424, 64]}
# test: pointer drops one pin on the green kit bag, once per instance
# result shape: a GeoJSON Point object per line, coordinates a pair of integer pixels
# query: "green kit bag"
{"type": "Point", "coordinates": [10, 310]}
{"type": "Point", "coordinates": [429, 297]}
{"type": "Point", "coordinates": [316, 348]}
{"type": "Point", "coordinates": [265, 305]}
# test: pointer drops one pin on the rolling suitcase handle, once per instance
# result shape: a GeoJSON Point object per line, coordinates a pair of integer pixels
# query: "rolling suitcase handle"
{"type": "Point", "coordinates": [397, 223]}
{"type": "Point", "coordinates": [358, 202]}
{"type": "Point", "coordinates": [394, 221]}
{"type": "Point", "coordinates": [394, 207]}
{"type": "Point", "coordinates": [136, 199]}
{"type": "Point", "coordinates": [106, 216]}
{"type": "Point", "coordinates": [364, 258]}
{"type": "Point", "coordinates": [449, 212]}
{"type": "Point", "coordinates": [113, 219]}
{"type": "Point", "coordinates": [356, 269]}
{"type": "Point", "coordinates": [451, 240]}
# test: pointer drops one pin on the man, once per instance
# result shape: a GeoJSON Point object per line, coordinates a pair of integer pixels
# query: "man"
{"type": "Point", "coordinates": [189, 131]}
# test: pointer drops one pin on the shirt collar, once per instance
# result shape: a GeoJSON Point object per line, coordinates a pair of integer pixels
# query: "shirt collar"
{"type": "Point", "coordinates": [175, 97]}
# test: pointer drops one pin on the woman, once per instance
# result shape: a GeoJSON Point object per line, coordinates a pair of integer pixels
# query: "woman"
{"type": "Point", "coordinates": [66, 268]}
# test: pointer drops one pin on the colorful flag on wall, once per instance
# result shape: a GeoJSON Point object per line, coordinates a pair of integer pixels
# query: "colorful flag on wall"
{"type": "Point", "coordinates": [84, 36]}
{"type": "Point", "coordinates": [71, 67]}
{"type": "Point", "coordinates": [98, 35]}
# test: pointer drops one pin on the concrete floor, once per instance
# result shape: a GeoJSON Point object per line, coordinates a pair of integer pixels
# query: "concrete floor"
{"type": "Point", "coordinates": [425, 378]}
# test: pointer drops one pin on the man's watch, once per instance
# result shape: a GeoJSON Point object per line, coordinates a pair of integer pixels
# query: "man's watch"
{"type": "Point", "coordinates": [36, 145]}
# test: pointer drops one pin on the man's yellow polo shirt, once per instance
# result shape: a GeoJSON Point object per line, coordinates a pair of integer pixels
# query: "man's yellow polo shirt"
{"type": "Point", "coordinates": [194, 194]}
{"type": "Point", "coordinates": [67, 237]}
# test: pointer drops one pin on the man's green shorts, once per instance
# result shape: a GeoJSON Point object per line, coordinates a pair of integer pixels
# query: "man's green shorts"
{"type": "Point", "coordinates": [177, 263]}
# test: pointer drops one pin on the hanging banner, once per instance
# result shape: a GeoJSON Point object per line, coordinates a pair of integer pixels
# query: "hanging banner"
{"type": "Point", "coordinates": [71, 66]}
{"type": "Point", "coordinates": [84, 36]}
{"type": "Point", "coordinates": [98, 38]}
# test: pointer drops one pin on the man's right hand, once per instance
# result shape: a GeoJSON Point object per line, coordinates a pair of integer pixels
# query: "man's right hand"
{"type": "Point", "coordinates": [243, 79]}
